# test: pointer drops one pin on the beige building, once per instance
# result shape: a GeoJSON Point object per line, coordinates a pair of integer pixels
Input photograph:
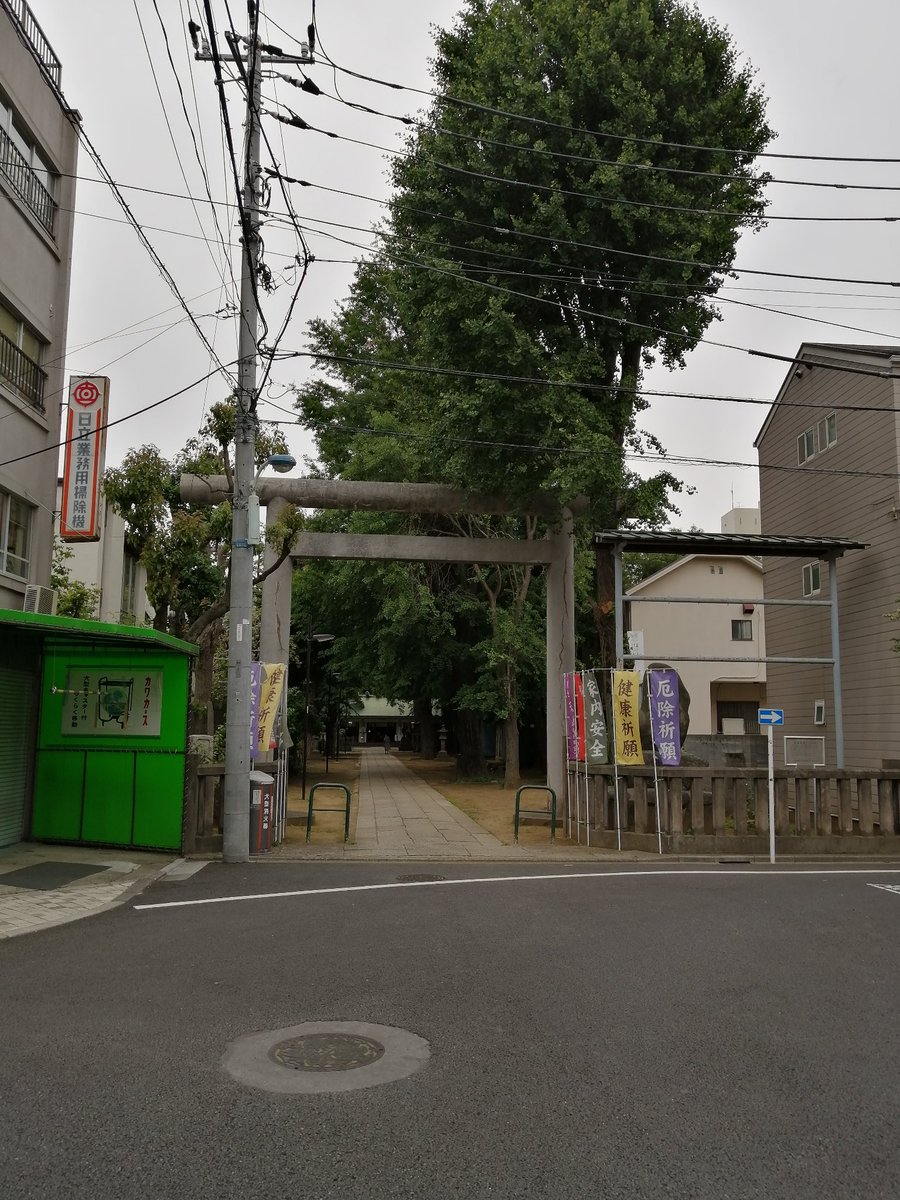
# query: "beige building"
{"type": "Point", "coordinates": [829, 455]}
{"type": "Point", "coordinates": [725, 695]}
{"type": "Point", "coordinates": [109, 566]}
{"type": "Point", "coordinates": [38, 155]}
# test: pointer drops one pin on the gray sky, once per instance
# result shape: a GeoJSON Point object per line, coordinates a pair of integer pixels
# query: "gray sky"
{"type": "Point", "coordinates": [827, 67]}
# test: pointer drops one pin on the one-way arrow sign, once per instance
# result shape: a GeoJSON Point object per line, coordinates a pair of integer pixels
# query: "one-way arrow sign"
{"type": "Point", "coordinates": [770, 716]}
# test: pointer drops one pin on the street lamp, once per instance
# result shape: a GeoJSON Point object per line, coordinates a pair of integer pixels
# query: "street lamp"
{"type": "Point", "coordinates": [320, 639]}
{"type": "Point", "coordinates": [245, 538]}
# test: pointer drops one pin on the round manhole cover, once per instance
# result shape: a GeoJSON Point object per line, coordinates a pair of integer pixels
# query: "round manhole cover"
{"type": "Point", "coordinates": [327, 1052]}
{"type": "Point", "coordinates": [421, 878]}
{"type": "Point", "coordinates": [324, 1056]}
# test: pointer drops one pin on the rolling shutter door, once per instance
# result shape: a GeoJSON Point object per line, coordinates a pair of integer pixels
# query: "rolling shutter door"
{"type": "Point", "coordinates": [17, 689]}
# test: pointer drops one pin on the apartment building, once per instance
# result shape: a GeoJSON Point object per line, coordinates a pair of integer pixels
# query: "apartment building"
{"type": "Point", "coordinates": [38, 155]}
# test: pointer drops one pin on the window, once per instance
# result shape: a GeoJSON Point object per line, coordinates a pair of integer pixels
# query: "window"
{"type": "Point", "coordinates": [818, 439]}
{"type": "Point", "coordinates": [827, 432]}
{"type": "Point", "coordinates": [15, 535]}
{"type": "Point", "coordinates": [25, 168]}
{"type": "Point", "coordinates": [812, 579]}
{"type": "Point", "coordinates": [20, 357]}
{"type": "Point", "coordinates": [742, 631]}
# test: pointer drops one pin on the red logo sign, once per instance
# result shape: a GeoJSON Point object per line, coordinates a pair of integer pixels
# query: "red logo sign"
{"type": "Point", "coordinates": [86, 393]}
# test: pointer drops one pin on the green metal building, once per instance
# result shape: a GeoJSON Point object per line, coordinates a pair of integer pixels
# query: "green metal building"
{"type": "Point", "coordinates": [93, 732]}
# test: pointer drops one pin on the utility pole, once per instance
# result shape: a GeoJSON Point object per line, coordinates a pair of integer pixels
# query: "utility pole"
{"type": "Point", "coordinates": [236, 799]}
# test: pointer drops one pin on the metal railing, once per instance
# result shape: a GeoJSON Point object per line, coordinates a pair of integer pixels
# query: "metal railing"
{"type": "Point", "coordinates": [35, 36]}
{"type": "Point", "coordinates": [25, 181]}
{"type": "Point", "coordinates": [22, 372]}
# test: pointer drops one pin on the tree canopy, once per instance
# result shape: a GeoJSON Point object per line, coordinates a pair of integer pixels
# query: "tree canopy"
{"type": "Point", "coordinates": [562, 216]}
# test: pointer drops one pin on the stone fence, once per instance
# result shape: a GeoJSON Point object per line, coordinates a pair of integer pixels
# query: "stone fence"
{"type": "Point", "coordinates": [707, 810]}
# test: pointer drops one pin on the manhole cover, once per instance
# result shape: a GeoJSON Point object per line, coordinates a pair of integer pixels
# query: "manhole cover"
{"type": "Point", "coordinates": [421, 878]}
{"type": "Point", "coordinates": [327, 1052]}
{"type": "Point", "coordinates": [324, 1056]}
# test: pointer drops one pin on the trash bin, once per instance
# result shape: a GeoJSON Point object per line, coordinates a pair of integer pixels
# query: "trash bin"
{"type": "Point", "coordinates": [262, 788]}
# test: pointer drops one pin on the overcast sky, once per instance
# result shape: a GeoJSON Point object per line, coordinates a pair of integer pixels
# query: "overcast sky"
{"type": "Point", "coordinates": [828, 67]}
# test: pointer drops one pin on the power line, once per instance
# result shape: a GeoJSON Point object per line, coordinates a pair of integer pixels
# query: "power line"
{"type": "Point", "coordinates": [531, 448]}
{"type": "Point", "coordinates": [216, 264]}
{"type": "Point", "coordinates": [446, 98]}
{"type": "Point", "coordinates": [555, 241]}
{"type": "Point", "coordinates": [119, 420]}
{"type": "Point", "coordinates": [577, 385]}
{"type": "Point", "coordinates": [417, 122]}
{"type": "Point", "coordinates": [620, 321]}
{"type": "Point", "coordinates": [298, 122]}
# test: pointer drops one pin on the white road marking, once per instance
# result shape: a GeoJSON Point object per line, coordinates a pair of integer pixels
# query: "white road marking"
{"type": "Point", "coordinates": [887, 887]}
{"type": "Point", "coordinates": [762, 872]}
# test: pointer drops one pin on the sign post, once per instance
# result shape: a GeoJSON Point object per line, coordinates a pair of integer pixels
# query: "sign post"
{"type": "Point", "coordinates": [770, 717]}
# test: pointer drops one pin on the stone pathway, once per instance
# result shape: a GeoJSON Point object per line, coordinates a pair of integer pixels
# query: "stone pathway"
{"type": "Point", "coordinates": [400, 813]}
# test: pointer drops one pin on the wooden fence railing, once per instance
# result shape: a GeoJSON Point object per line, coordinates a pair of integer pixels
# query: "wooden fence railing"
{"type": "Point", "coordinates": [203, 806]}
{"type": "Point", "coordinates": [703, 806]}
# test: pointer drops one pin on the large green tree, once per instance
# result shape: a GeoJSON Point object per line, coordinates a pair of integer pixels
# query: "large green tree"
{"type": "Point", "coordinates": [570, 244]}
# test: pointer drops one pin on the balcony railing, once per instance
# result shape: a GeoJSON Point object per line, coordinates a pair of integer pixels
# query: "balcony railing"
{"type": "Point", "coordinates": [25, 182]}
{"type": "Point", "coordinates": [21, 372]}
{"type": "Point", "coordinates": [25, 19]}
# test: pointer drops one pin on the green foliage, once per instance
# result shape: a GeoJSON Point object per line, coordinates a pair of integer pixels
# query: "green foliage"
{"type": "Point", "coordinates": [534, 251]}
{"type": "Point", "coordinates": [74, 598]}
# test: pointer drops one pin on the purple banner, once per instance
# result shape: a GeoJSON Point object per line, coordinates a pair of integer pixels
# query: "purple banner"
{"type": "Point", "coordinates": [664, 722]}
{"type": "Point", "coordinates": [571, 729]}
{"type": "Point", "coordinates": [255, 689]}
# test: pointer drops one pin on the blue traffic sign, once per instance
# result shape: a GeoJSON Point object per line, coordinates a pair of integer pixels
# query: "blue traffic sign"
{"type": "Point", "coordinates": [770, 716]}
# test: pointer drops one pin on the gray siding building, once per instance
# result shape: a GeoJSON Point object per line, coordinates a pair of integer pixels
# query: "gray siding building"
{"type": "Point", "coordinates": [38, 155]}
{"type": "Point", "coordinates": [829, 457]}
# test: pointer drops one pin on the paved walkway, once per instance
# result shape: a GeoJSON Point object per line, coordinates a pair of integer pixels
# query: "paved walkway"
{"type": "Point", "coordinates": [42, 897]}
{"type": "Point", "coordinates": [399, 812]}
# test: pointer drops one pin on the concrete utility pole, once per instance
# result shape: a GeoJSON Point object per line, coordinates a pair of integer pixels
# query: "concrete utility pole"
{"type": "Point", "coordinates": [236, 805]}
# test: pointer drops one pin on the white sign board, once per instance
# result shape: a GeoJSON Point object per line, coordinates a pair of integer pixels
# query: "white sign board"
{"type": "Point", "coordinates": [84, 458]}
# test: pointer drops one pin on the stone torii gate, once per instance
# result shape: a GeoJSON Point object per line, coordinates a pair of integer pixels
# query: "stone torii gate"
{"type": "Point", "coordinates": [556, 552]}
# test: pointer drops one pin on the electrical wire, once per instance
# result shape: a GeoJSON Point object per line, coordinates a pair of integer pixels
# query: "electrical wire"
{"type": "Point", "coordinates": [554, 241]}
{"type": "Point", "coordinates": [578, 310]}
{"type": "Point", "coordinates": [591, 197]}
{"type": "Point", "coordinates": [581, 385]}
{"type": "Point", "coordinates": [217, 265]}
{"type": "Point", "coordinates": [419, 123]}
{"type": "Point", "coordinates": [119, 420]}
{"type": "Point", "coordinates": [446, 98]}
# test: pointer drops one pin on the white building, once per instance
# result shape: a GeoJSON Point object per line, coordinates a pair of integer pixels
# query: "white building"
{"type": "Point", "coordinates": [725, 695]}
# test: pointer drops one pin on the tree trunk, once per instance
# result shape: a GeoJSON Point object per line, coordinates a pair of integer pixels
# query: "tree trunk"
{"type": "Point", "coordinates": [202, 720]}
{"type": "Point", "coordinates": [471, 760]}
{"type": "Point", "coordinates": [161, 618]}
{"type": "Point", "coordinates": [511, 774]}
{"type": "Point", "coordinates": [424, 717]}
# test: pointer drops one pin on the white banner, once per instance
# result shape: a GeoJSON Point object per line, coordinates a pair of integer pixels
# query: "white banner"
{"type": "Point", "coordinates": [84, 458]}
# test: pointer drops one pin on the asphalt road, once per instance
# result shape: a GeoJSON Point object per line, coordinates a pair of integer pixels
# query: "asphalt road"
{"type": "Point", "coordinates": [650, 1035]}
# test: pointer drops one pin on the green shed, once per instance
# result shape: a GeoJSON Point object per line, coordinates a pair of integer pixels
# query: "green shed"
{"type": "Point", "coordinates": [93, 732]}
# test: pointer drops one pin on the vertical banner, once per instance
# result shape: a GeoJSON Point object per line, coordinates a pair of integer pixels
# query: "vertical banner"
{"type": "Point", "coordinates": [625, 688]}
{"type": "Point", "coordinates": [664, 725]}
{"type": "Point", "coordinates": [597, 740]}
{"type": "Point", "coordinates": [84, 458]}
{"type": "Point", "coordinates": [269, 702]}
{"type": "Point", "coordinates": [255, 689]}
{"type": "Point", "coordinates": [579, 717]}
{"type": "Point", "coordinates": [571, 736]}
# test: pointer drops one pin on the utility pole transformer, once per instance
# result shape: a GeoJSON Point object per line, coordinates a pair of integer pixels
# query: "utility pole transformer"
{"type": "Point", "coordinates": [236, 800]}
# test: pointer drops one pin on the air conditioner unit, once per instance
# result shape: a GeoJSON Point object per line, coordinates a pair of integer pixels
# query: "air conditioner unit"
{"type": "Point", "coordinates": [39, 600]}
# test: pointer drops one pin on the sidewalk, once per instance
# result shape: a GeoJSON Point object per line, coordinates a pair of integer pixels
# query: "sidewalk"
{"type": "Point", "coordinates": [42, 886]}
{"type": "Point", "coordinates": [403, 818]}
